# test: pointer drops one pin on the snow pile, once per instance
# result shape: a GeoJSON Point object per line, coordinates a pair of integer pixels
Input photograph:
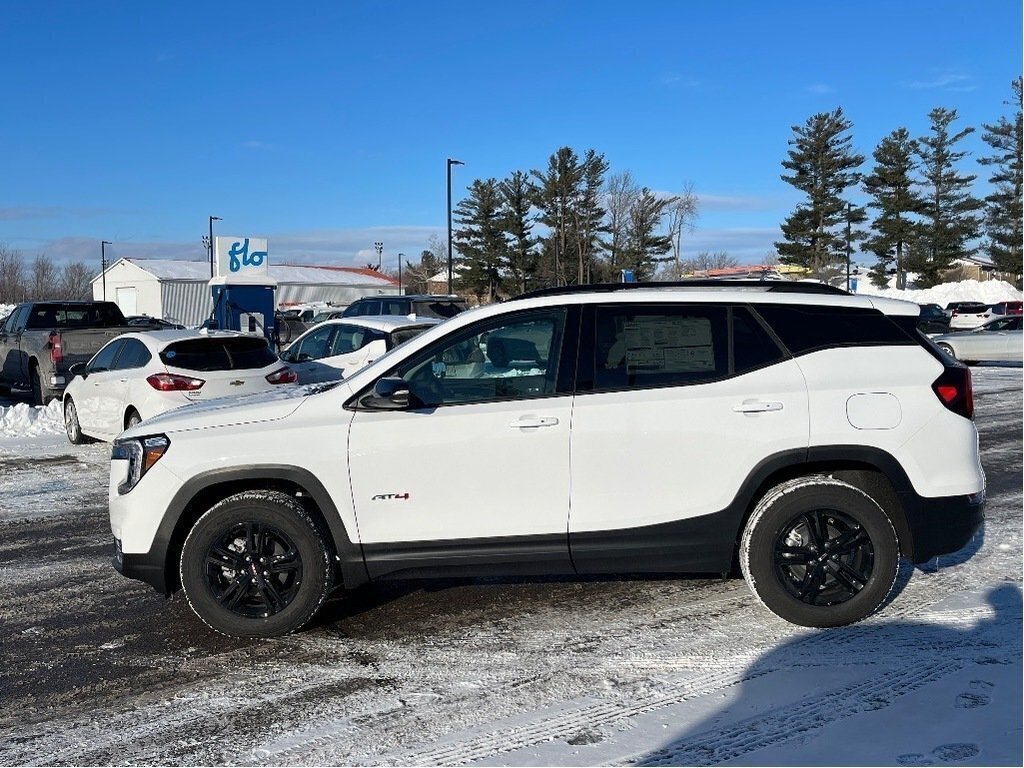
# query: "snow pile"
{"type": "Point", "coordinates": [23, 420]}
{"type": "Point", "coordinates": [5, 310]}
{"type": "Point", "coordinates": [987, 292]}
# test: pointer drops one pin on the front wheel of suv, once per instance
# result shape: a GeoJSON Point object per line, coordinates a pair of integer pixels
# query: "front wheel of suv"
{"type": "Point", "coordinates": [819, 552]}
{"type": "Point", "coordinates": [256, 565]}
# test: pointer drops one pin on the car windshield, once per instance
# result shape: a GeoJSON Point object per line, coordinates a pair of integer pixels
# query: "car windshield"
{"type": "Point", "coordinates": [219, 354]}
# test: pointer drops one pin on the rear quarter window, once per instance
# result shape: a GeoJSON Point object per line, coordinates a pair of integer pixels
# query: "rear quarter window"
{"type": "Point", "coordinates": [806, 329]}
{"type": "Point", "coordinates": [219, 354]}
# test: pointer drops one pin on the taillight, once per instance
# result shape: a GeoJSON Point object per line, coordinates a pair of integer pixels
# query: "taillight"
{"type": "Point", "coordinates": [283, 376]}
{"type": "Point", "coordinates": [56, 350]}
{"type": "Point", "coordinates": [954, 390]}
{"type": "Point", "coordinates": [169, 382]}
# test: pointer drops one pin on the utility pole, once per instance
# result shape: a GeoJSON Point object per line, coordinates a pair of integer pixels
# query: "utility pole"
{"type": "Point", "coordinates": [212, 219]}
{"type": "Point", "coordinates": [401, 291]}
{"type": "Point", "coordinates": [849, 242]}
{"type": "Point", "coordinates": [103, 264]}
{"type": "Point", "coordinates": [379, 248]}
{"type": "Point", "coordinates": [450, 164]}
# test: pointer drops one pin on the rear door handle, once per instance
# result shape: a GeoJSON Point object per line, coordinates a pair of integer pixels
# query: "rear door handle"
{"type": "Point", "coordinates": [757, 406]}
{"type": "Point", "coordinates": [531, 422]}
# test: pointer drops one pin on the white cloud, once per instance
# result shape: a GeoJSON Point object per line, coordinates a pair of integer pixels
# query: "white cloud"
{"type": "Point", "coordinates": [820, 88]}
{"type": "Point", "coordinates": [949, 81]}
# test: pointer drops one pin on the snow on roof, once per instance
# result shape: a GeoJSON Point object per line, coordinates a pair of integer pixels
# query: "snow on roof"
{"type": "Point", "coordinates": [179, 269]}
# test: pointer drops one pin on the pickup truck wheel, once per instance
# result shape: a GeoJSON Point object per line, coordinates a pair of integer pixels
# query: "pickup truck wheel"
{"type": "Point", "coordinates": [819, 552]}
{"type": "Point", "coordinates": [74, 429]}
{"type": "Point", "coordinates": [256, 565]}
{"type": "Point", "coordinates": [40, 395]}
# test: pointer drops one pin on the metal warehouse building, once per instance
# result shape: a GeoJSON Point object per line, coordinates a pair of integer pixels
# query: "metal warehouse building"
{"type": "Point", "coordinates": [180, 291]}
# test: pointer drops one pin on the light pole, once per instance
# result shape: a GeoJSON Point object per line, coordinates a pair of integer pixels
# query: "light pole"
{"type": "Point", "coordinates": [379, 248]}
{"type": "Point", "coordinates": [450, 164]}
{"type": "Point", "coordinates": [400, 257]}
{"type": "Point", "coordinates": [212, 219]}
{"type": "Point", "coordinates": [103, 264]}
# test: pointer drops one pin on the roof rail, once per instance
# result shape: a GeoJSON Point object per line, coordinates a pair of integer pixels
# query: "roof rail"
{"type": "Point", "coordinates": [771, 286]}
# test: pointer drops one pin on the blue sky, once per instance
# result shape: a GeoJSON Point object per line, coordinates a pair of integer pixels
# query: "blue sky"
{"type": "Point", "coordinates": [325, 126]}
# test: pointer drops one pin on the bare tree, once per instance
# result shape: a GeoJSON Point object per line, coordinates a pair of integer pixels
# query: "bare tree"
{"type": "Point", "coordinates": [12, 276]}
{"type": "Point", "coordinates": [706, 260]}
{"type": "Point", "coordinates": [75, 282]}
{"type": "Point", "coordinates": [621, 193]}
{"type": "Point", "coordinates": [682, 216]}
{"type": "Point", "coordinates": [44, 283]}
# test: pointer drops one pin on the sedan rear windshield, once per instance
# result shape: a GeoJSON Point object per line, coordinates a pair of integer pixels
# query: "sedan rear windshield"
{"type": "Point", "coordinates": [214, 354]}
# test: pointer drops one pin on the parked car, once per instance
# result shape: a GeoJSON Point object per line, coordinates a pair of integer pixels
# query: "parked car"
{"type": "Point", "coordinates": [336, 348]}
{"type": "Point", "coordinates": [968, 315]}
{"type": "Point", "coordinates": [1003, 308]}
{"type": "Point", "coordinates": [787, 428]}
{"type": "Point", "coordinates": [421, 305]}
{"type": "Point", "coordinates": [932, 319]}
{"type": "Point", "coordinates": [40, 341]}
{"type": "Point", "coordinates": [333, 314]}
{"type": "Point", "coordinates": [998, 339]}
{"type": "Point", "coordinates": [155, 323]}
{"type": "Point", "coordinates": [139, 375]}
{"type": "Point", "coordinates": [287, 328]}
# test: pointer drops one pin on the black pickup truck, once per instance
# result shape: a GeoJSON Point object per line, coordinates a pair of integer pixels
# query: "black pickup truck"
{"type": "Point", "coordinates": [40, 341]}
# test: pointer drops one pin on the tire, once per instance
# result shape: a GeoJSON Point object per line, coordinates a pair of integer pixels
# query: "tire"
{"type": "Point", "coordinates": [71, 425]}
{"type": "Point", "coordinates": [229, 592]}
{"type": "Point", "coordinates": [784, 552]}
{"type": "Point", "coordinates": [40, 396]}
{"type": "Point", "coordinates": [132, 419]}
{"type": "Point", "coordinates": [947, 349]}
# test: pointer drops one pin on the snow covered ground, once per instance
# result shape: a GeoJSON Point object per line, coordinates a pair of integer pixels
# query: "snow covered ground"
{"type": "Point", "coordinates": [100, 670]}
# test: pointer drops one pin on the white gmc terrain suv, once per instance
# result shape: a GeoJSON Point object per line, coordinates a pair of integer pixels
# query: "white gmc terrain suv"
{"type": "Point", "coordinates": [787, 431]}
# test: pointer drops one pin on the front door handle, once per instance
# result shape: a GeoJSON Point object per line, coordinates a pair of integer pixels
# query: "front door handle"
{"type": "Point", "coordinates": [532, 422]}
{"type": "Point", "coordinates": [757, 406]}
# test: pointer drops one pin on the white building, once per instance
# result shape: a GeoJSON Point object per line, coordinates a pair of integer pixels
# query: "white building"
{"type": "Point", "coordinates": [180, 290]}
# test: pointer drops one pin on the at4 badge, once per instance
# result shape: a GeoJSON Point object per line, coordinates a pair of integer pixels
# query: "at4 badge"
{"type": "Point", "coordinates": [391, 497]}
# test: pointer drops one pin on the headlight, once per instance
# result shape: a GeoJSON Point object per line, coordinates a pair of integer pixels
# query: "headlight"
{"type": "Point", "coordinates": [141, 454]}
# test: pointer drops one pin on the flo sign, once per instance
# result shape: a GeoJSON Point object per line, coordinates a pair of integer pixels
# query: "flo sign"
{"type": "Point", "coordinates": [241, 257]}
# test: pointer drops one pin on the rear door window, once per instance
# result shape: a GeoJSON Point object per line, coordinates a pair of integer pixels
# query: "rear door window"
{"type": "Point", "coordinates": [219, 354]}
{"type": "Point", "coordinates": [441, 309]}
{"type": "Point", "coordinates": [104, 359]}
{"type": "Point", "coordinates": [133, 355]}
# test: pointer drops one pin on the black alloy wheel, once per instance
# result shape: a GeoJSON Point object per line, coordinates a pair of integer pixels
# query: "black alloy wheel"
{"type": "Point", "coordinates": [257, 564]}
{"type": "Point", "coordinates": [253, 570]}
{"type": "Point", "coordinates": [819, 552]}
{"type": "Point", "coordinates": [824, 557]}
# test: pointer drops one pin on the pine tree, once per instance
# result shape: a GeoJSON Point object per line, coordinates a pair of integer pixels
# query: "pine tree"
{"type": "Point", "coordinates": [822, 166]}
{"type": "Point", "coordinates": [569, 200]}
{"type": "Point", "coordinates": [950, 211]}
{"type": "Point", "coordinates": [1004, 211]}
{"type": "Point", "coordinates": [894, 196]}
{"type": "Point", "coordinates": [516, 196]}
{"type": "Point", "coordinates": [645, 247]}
{"type": "Point", "coordinates": [480, 240]}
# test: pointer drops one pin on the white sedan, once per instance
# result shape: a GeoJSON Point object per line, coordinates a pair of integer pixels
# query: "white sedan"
{"type": "Point", "coordinates": [999, 339]}
{"type": "Point", "coordinates": [335, 349]}
{"type": "Point", "coordinates": [139, 375]}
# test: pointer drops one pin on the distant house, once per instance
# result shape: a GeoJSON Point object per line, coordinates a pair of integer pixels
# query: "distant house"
{"type": "Point", "coordinates": [179, 290]}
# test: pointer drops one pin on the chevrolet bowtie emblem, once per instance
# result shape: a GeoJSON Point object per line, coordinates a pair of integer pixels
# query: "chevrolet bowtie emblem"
{"type": "Point", "coordinates": [236, 383]}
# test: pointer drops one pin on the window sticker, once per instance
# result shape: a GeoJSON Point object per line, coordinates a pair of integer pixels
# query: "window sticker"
{"type": "Point", "coordinates": [681, 344]}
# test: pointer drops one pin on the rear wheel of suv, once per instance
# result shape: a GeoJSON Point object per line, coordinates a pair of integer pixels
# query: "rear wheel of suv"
{"type": "Point", "coordinates": [819, 552]}
{"type": "Point", "coordinates": [256, 565]}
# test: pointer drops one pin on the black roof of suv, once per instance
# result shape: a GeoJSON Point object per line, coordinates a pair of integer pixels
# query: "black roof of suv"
{"type": "Point", "coordinates": [423, 305]}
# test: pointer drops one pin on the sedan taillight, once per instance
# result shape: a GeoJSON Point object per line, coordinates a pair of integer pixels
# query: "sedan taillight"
{"type": "Point", "coordinates": [283, 376]}
{"type": "Point", "coordinates": [169, 382]}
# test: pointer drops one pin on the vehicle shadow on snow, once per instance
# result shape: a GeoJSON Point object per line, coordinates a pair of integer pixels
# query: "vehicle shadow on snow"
{"type": "Point", "coordinates": [838, 675]}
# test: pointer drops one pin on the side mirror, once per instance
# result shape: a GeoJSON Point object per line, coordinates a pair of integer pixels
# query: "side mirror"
{"type": "Point", "coordinates": [79, 369]}
{"type": "Point", "coordinates": [288, 357]}
{"type": "Point", "coordinates": [391, 393]}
